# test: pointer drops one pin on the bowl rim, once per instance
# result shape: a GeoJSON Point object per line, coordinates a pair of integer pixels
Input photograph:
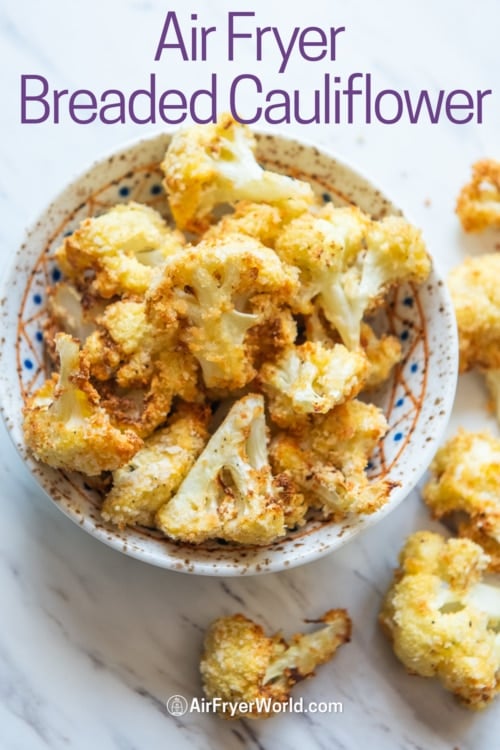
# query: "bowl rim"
{"type": "Point", "coordinates": [12, 421]}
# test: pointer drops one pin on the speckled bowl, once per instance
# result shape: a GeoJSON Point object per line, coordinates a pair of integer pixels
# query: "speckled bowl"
{"type": "Point", "coordinates": [417, 400]}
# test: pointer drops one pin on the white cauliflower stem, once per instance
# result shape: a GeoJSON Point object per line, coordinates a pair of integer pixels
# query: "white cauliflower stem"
{"type": "Point", "coordinates": [229, 493]}
{"type": "Point", "coordinates": [349, 262]}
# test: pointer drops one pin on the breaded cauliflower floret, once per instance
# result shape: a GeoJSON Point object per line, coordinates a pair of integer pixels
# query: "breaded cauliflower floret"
{"type": "Point", "coordinates": [478, 205]}
{"type": "Point", "coordinates": [466, 480]}
{"type": "Point", "coordinates": [328, 458]}
{"type": "Point", "coordinates": [212, 164]}
{"type": "Point", "coordinates": [311, 379]}
{"type": "Point", "coordinates": [118, 252]}
{"type": "Point", "coordinates": [475, 292]}
{"type": "Point", "coordinates": [124, 341]}
{"type": "Point", "coordinates": [258, 220]}
{"type": "Point", "coordinates": [442, 620]}
{"type": "Point", "coordinates": [72, 312]}
{"type": "Point", "coordinates": [66, 427]}
{"type": "Point", "coordinates": [131, 352]}
{"type": "Point", "coordinates": [210, 290]}
{"type": "Point", "coordinates": [229, 493]}
{"type": "Point", "coordinates": [241, 664]}
{"type": "Point", "coordinates": [156, 471]}
{"type": "Point", "coordinates": [382, 354]}
{"type": "Point", "coordinates": [349, 262]}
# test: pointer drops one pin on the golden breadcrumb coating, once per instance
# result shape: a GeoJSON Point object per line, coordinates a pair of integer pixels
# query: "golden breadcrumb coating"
{"type": "Point", "coordinates": [475, 293]}
{"type": "Point", "coordinates": [66, 427]}
{"type": "Point", "coordinates": [465, 479]}
{"type": "Point", "coordinates": [478, 205]}
{"type": "Point", "coordinates": [154, 474]}
{"type": "Point", "coordinates": [230, 492]}
{"type": "Point", "coordinates": [347, 263]}
{"type": "Point", "coordinates": [241, 664]}
{"type": "Point", "coordinates": [209, 290]}
{"type": "Point", "coordinates": [119, 251]}
{"type": "Point", "coordinates": [311, 379]}
{"type": "Point", "coordinates": [383, 354]}
{"type": "Point", "coordinates": [214, 164]}
{"type": "Point", "coordinates": [442, 620]}
{"type": "Point", "coordinates": [327, 459]}
{"type": "Point", "coordinates": [261, 221]}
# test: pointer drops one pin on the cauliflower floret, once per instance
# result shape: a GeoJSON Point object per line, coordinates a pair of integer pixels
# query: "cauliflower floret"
{"type": "Point", "coordinates": [349, 262]}
{"type": "Point", "coordinates": [71, 312]}
{"type": "Point", "coordinates": [327, 459]}
{"type": "Point", "coordinates": [475, 293]}
{"type": "Point", "coordinates": [118, 252]}
{"type": "Point", "coordinates": [311, 379]}
{"type": "Point", "coordinates": [66, 427]}
{"type": "Point", "coordinates": [212, 164]}
{"type": "Point", "coordinates": [241, 664]}
{"type": "Point", "coordinates": [258, 220]}
{"type": "Point", "coordinates": [135, 355]}
{"type": "Point", "coordinates": [478, 205]}
{"type": "Point", "coordinates": [442, 620]}
{"type": "Point", "coordinates": [466, 480]}
{"type": "Point", "coordinates": [382, 354]}
{"type": "Point", "coordinates": [229, 493]}
{"type": "Point", "coordinates": [210, 289]}
{"type": "Point", "coordinates": [150, 479]}
{"type": "Point", "coordinates": [124, 343]}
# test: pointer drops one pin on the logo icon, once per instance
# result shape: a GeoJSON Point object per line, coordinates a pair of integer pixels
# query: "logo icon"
{"type": "Point", "coordinates": [177, 705]}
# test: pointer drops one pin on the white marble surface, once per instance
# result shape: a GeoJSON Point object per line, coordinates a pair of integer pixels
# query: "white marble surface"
{"type": "Point", "coordinates": [92, 643]}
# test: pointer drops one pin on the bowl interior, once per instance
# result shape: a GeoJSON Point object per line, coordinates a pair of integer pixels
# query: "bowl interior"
{"type": "Point", "coordinates": [417, 399]}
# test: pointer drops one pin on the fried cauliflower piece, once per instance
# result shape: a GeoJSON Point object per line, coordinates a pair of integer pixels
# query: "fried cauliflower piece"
{"type": "Point", "coordinates": [66, 427]}
{"type": "Point", "coordinates": [213, 164]}
{"type": "Point", "coordinates": [71, 312]}
{"type": "Point", "coordinates": [156, 471]}
{"type": "Point", "coordinates": [383, 354]}
{"type": "Point", "coordinates": [118, 252]}
{"type": "Point", "coordinates": [261, 221]}
{"type": "Point", "coordinates": [241, 664]}
{"type": "Point", "coordinates": [443, 622]}
{"type": "Point", "coordinates": [475, 293]}
{"type": "Point", "coordinates": [229, 493]}
{"type": "Point", "coordinates": [466, 480]}
{"type": "Point", "coordinates": [124, 343]}
{"type": "Point", "coordinates": [327, 459]}
{"type": "Point", "coordinates": [347, 263]}
{"type": "Point", "coordinates": [311, 379]}
{"type": "Point", "coordinates": [129, 351]}
{"type": "Point", "coordinates": [478, 205]}
{"type": "Point", "coordinates": [211, 291]}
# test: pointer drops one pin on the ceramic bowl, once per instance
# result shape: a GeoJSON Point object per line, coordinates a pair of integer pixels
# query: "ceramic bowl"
{"type": "Point", "coordinates": [417, 400]}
